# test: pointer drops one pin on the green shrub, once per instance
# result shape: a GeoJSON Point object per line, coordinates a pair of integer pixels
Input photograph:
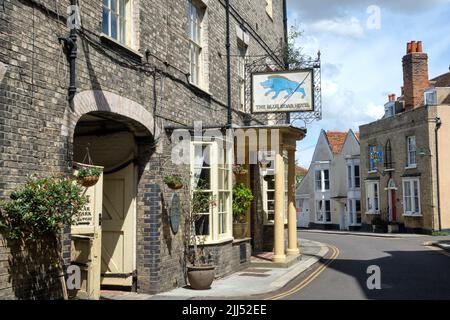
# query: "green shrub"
{"type": "Point", "coordinates": [242, 198]}
{"type": "Point", "coordinates": [41, 207]}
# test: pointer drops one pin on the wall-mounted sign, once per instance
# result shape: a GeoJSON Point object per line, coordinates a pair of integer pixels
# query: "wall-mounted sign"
{"type": "Point", "coordinates": [284, 91]}
{"type": "Point", "coordinates": [175, 212]}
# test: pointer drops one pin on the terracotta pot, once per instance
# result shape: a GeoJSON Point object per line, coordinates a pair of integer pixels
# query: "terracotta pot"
{"type": "Point", "coordinates": [200, 277]}
{"type": "Point", "coordinates": [240, 230]}
{"type": "Point", "coordinates": [88, 181]}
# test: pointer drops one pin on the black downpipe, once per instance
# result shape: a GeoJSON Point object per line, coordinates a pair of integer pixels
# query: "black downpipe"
{"type": "Point", "coordinates": [70, 44]}
{"type": "Point", "coordinates": [228, 46]}
{"type": "Point", "coordinates": [286, 52]}
{"type": "Point", "coordinates": [436, 137]}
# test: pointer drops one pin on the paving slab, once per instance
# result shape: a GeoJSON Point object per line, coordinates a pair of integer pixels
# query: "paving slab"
{"type": "Point", "coordinates": [251, 281]}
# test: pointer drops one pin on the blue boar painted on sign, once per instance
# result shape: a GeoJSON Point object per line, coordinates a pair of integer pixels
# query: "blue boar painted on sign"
{"type": "Point", "coordinates": [278, 84]}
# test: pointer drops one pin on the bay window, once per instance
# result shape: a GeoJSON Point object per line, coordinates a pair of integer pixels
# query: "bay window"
{"type": "Point", "coordinates": [211, 185]}
{"type": "Point", "coordinates": [411, 196]}
{"type": "Point", "coordinates": [372, 198]}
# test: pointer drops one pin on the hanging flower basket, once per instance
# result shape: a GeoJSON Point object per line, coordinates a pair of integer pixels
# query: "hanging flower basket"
{"type": "Point", "coordinates": [173, 182]}
{"type": "Point", "coordinates": [88, 176]}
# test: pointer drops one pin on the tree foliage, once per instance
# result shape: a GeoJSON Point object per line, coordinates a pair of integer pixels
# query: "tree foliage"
{"type": "Point", "coordinates": [41, 207]}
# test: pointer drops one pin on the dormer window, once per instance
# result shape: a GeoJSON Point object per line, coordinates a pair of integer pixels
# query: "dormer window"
{"type": "Point", "coordinates": [389, 109]}
{"type": "Point", "coordinates": [430, 97]}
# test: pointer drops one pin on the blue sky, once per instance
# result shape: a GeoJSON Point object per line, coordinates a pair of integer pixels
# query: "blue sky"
{"type": "Point", "coordinates": [361, 63]}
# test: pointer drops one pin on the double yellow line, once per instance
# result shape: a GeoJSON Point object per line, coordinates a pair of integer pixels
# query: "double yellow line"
{"type": "Point", "coordinates": [309, 279]}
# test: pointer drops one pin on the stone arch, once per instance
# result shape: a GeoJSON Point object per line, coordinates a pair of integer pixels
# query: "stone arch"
{"type": "Point", "coordinates": [98, 100]}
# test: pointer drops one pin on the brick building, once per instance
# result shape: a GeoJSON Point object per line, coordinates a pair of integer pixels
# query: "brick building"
{"type": "Point", "coordinates": [404, 156]}
{"type": "Point", "coordinates": [142, 68]}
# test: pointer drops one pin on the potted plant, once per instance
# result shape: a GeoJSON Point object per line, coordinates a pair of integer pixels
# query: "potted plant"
{"type": "Point", "coordinates": [173, 182]}
{"type": "Point", "coordinates": [200, 270]}
{"type": "Point", "coordinates": [88, 176]}
{"type": "Point", "coordinates": [242, 198]}
{"type": "Point", "coordinates": [379, 225]}
{"type": "Point", "coordinates": [240, 169]}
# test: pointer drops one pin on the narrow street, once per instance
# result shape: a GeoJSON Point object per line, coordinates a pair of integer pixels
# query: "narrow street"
{"type": "Point", "coordinates": [409, 270]}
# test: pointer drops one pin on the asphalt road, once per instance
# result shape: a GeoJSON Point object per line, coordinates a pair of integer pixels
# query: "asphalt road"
{"type": "Point", "coordinates": [408, 269]}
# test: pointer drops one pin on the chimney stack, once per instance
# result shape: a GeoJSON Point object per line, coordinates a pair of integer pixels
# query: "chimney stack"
{"type": "Point", "coordinates": [415, 75]}
{"type": "Point", "coordinates": [392, 97]}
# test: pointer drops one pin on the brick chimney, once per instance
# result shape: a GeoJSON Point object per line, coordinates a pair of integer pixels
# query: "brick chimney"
{"type": "Point", "coordinates": [415, 75]}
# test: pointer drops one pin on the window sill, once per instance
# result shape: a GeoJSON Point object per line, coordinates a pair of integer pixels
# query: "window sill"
{"type": "Point", "coordinates": [321, 222]}
{"type": "Point", "coordinates": [372, 171]}
{"type": "Point", "coordinates": [411, 167]}
{"type": "Point", "coordinates": [201, 89]}
{"type": "Point", "coordinates": [355, 225]}
{"type": "Point", "coordinates": [372, 213]}
{"type": "Point", "coordinates": [219, 241]}
{"type": "Point", "coordinates": [389, 170]}
{"type": "Point", "coordinates": [413, 215]}
{"type": "Point", "coordinates": [121, 46]}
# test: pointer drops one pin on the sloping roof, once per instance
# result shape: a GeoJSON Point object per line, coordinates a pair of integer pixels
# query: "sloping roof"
{"type": "Point", "coordinates": [357, 136]}
{"type": "Point", "coordinates": [442, 81]}
{"type": "Point", "coordinates": [336, 140]}
{"type": "Point", "coordinates": [300, 171]}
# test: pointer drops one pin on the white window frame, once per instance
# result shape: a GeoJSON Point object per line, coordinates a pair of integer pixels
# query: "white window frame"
{"type": "Point", "coordinates": [265, 195]}
{"type": "Point", "coordinates": [123, 21]}
{"type": "Point", "coordinates": [411, 152]}
{"type": "Point", "coordinates": [321, 208]}
{"type": "Point", "coordinates": [322, 180]}
{"type": "Point", "coordinates": [195, 37]}
{"type": "Point", "coordinates": [215, 167]}
{"type": "Point", "coordinates": [409, 197]}
{"type": "Point", "coordinates": [351, 175]}
{"type": "Point", "coordinates": [370, 197]}
{"type": "Point", "coordinates": [353, 213]}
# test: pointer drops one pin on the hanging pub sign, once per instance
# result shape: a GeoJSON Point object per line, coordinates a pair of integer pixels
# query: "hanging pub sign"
{"type": "Point", "coordinates": [284, 91]}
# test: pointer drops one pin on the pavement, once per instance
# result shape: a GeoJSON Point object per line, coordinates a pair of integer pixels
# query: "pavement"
{"type": "Point", "coordinates": [251, 281]}
{"type": "Point", "coordinates": [443, 244]}
{"type": "Point", "coordinates": [364, 234]}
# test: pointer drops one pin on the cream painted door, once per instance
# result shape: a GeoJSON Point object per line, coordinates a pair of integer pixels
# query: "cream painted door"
{"type": "Point", "coordinates": [118, 225]}
{"type": "Point", "coordinates": [86, 237]}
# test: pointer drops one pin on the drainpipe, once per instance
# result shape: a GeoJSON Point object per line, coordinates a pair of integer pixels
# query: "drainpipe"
{"type": "Point", "coordinates": [436, 137]}
{"type": "Point", "coordinates": [286, 63]}
{"type": "Point", "coordinates": [70, 44]}
{"type": "Point", "coordinates": [228, 46]}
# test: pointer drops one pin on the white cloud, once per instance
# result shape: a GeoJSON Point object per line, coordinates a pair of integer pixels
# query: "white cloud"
{"type": "Point", "coordinates": [342, 27]}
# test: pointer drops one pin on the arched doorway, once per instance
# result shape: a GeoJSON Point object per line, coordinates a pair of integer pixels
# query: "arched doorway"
{"type": "Point", "coordinates": [118, 135]}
